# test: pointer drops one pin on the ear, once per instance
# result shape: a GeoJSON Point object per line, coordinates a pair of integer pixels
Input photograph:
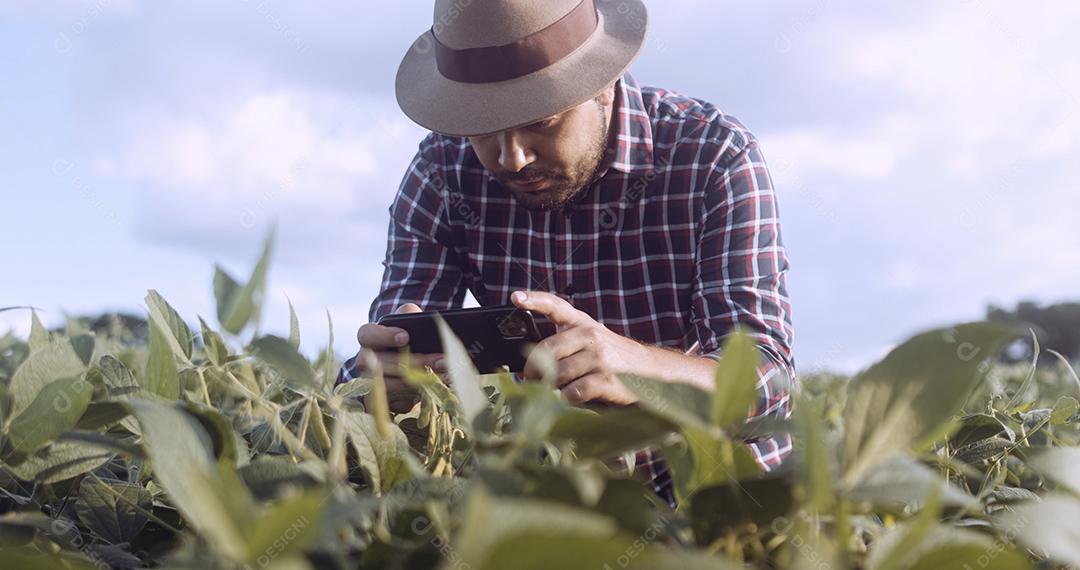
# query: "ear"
{"type": "Point", "coordinates": [607, 96]}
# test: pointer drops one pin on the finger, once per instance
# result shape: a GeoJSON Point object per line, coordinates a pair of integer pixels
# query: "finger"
{"type": "Point", "coordinates": [400, 397]}
{"type": "Point", "coordinates": [587, 388]}
{"type": "Point", "coordinates": [575, 366]}
{"type": "Point", "coordinates": [396, 364]}
{"type": "Point", "coordinates": [408, 308]}
{"type": "Point", "coordinates": [555, 347]}
{"type": "Point", "coordinates": [555, 308]}
{"type": "Point", "coordinates": [568, 342]}
{"type": "Point", "coordinates": [380, 338]}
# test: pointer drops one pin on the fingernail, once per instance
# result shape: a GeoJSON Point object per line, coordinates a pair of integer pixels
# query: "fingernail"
{"type": "Point", "coordinates": [520, 296]}
{"type": "Point", "coordinates": [440, 365]}
{"type": "Point", "coordinates": [401, 338]}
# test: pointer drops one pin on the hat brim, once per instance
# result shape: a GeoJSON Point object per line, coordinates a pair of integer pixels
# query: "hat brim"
{"type": "Point", "coordinates": [470, 109]}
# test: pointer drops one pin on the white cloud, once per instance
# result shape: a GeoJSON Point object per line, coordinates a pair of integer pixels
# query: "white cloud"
{"type": "Point", "coordinates": [315, 163]}
{"type": "Point", "coordinates": [269, 149]}
{"type": "Point", "coordinates": [802, 152]}
{"type": "Point", "coordinates": [977, 152]}
{"type": "Point", "coordinates": [17, 322]}
{"type": "Point", "coordinates": [978, 73]}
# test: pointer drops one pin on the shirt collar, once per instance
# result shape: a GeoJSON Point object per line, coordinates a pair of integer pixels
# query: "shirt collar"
{"type": "Point", "coordinates": [633, 149]}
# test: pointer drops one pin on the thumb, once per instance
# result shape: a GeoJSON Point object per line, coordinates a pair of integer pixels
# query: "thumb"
{"type": "Point", "coordinates": [408, 308]}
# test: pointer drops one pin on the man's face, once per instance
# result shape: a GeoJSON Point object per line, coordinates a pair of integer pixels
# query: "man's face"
{"type": "Point", "coordinates": [548, 162]}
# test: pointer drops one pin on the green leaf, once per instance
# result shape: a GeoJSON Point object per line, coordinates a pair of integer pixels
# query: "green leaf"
{"type": "Point", "coordinates": [925, 545]}
{"type": "Point", "coordinates": [958, 556]}
{"type": "Point", "coordinates": [902, 481]}
{"type": "Point", "coordinates": [818, 465]}
{"type": "Point", "coordinates": [736, 381]}
{"type": "Point", "coordinates": [544, 549]}
{"type": "Point", "coordinates": [898, 548]}
{"type": "Point", "coordinates": [294, 327]}
{"type": "Point", "coordinates": [680, 403]}
{"type": "Point", "coordinates": [40, 337]}
{"type": "Point", "coordinates": [56, 409]}
{"type": "Point", "coordinates": [5, 409]}
{"type": "Point", "coordinates": [490, 521]}
{"type": "Point", "coordinates": [21, 529]}
{"type": "Point", "coordinates": [179, 336]}
{"type": "Point", "coordinates": [119, 382]}
{"type": "Point", "coordinates": [286, 527]}
{"type": "Point", "coordinates": [61, 461]}
{"type": "Point", "coordinates": [977, 427]}
{"type": "Point", "coordinates": [909, 399]}
{"type": "Point", "coordinates": [331, 367]}
{"type": "Point", "coordinates": [162, 376]}
{"type": "Point", "coordinates": [1045, 526]}
{"type": "Point", "coordinates": [716, 510]}
{"type": "Point", "coordinates": [1059, 464]}
{"type": "Point", "coordinates": [50, 362]}
{"type": "Point", "coordinates": [223, 438]}
{"type": "Point", "coordinates": [578, 484]}
{"type": "Point", "coordinates": [114, 510]}
{"type": "Point", "coordinates": [115, 443]}
{"type": "Point", "coordinates": [1065, 408]}
{"type": "Point", "coordinates": [211, 498]}
{"type": "Point", "coordinates": [535, 410]}
{"type": "Point", "coordinates": [529, 534]}
{"type": "Point", "coordinates": [215, 347]}
{"type": "Point", "coordinates": [279, 354]}
{"type": "Point", "coordinates": [225, 290]}
{"type": "Point", "coordinates": [717, 460]}
{"type": "Point", "coordinates": [978, 451]}
{"type": "Point", "coordinates": [463, 375]}
{"type": "Point", "coordinates": [237, 305]}
{"type": "Point", "coordinates": [378, 402]}
{"type": "Point", "coordinates": [268, 476]}
{"type": "Point", "coordinates": [610, 432]}
{"type": "Point", "coordinates": [384, 459]}
{"type": "Point", "coordinates": [33, 558]}
{"type": "Point", "coordinates": [83, 345]}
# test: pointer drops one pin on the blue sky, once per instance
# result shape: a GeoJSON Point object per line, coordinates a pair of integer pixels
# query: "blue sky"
{"type": "Point", "coordinates": [924, 153]}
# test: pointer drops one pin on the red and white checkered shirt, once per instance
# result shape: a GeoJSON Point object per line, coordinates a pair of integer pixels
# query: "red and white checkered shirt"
{"type": "Point", "coordinates": [675, 244]}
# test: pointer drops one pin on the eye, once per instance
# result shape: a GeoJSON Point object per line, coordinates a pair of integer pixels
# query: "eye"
{"type": "Point", "coordinates": [543, 124]}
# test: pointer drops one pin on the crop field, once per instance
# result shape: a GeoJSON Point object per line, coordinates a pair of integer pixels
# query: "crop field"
{"type": "Point", "coordinates": [218, 446]}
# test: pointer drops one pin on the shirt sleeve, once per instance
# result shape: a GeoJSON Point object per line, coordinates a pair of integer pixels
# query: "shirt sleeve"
{"type": "Point", "coordinates": [421, 265]}
{"type": "Point", "coordinates": [742, 284]}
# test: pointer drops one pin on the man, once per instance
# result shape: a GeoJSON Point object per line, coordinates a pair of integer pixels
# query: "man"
{"type": "Point", "coordinates": [639, 221]}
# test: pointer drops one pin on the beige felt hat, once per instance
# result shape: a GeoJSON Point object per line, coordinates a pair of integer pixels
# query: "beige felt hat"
{"type": "Point", "coordinates": [490, 65]}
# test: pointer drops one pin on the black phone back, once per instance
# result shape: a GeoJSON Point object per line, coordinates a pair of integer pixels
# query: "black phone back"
{"type": "Point", "coordinates": [493, 336]}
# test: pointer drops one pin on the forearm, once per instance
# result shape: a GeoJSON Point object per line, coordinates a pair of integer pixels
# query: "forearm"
{"type": "Point", "coordinates": [668, 365]}
{"type": "Point", "coordinates": [773, 393]}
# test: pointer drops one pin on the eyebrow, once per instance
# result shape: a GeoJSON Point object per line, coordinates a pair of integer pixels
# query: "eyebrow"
{"type": "Point", "coordinates": [548, 118]}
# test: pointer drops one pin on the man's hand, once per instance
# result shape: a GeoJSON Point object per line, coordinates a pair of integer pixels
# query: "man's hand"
{"type": "Point", "coordinates": [382, 340]}
{"type": "Point", "coordinates": [589, 356]}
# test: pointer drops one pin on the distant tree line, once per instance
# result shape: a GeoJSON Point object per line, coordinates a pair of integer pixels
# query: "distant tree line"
{"type": "Point", "coordinates": [1057, 327]}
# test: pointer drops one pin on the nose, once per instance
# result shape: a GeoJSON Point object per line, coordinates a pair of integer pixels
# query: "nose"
{"type": "Point", "coordinates": [514, 155]}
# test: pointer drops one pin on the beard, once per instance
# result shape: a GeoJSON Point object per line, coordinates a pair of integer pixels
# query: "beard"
{"type": "Point", "coordinates": [562, 186]}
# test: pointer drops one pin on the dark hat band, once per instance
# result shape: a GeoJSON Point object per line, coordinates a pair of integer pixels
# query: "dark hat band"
{"type": "Point", "coordinates": [522, 57]}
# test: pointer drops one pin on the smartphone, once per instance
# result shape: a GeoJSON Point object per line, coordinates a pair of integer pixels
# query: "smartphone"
{"type": "Point", "coordinates": [494, 336]}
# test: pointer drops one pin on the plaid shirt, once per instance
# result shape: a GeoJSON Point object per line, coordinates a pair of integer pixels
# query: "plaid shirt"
{"type": "Point", "coordinates": [675, 243]}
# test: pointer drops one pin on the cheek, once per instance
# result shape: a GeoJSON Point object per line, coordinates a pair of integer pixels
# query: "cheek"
{"type": "Point", "coordinates": [486, 151]}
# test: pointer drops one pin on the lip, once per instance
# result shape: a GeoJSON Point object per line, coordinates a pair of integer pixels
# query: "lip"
{"type": "Point", "coordinates": [533, 186]}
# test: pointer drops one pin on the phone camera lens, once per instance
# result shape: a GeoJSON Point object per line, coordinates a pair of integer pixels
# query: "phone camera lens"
{"type": "Point", "coordinates": [513, 326]}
